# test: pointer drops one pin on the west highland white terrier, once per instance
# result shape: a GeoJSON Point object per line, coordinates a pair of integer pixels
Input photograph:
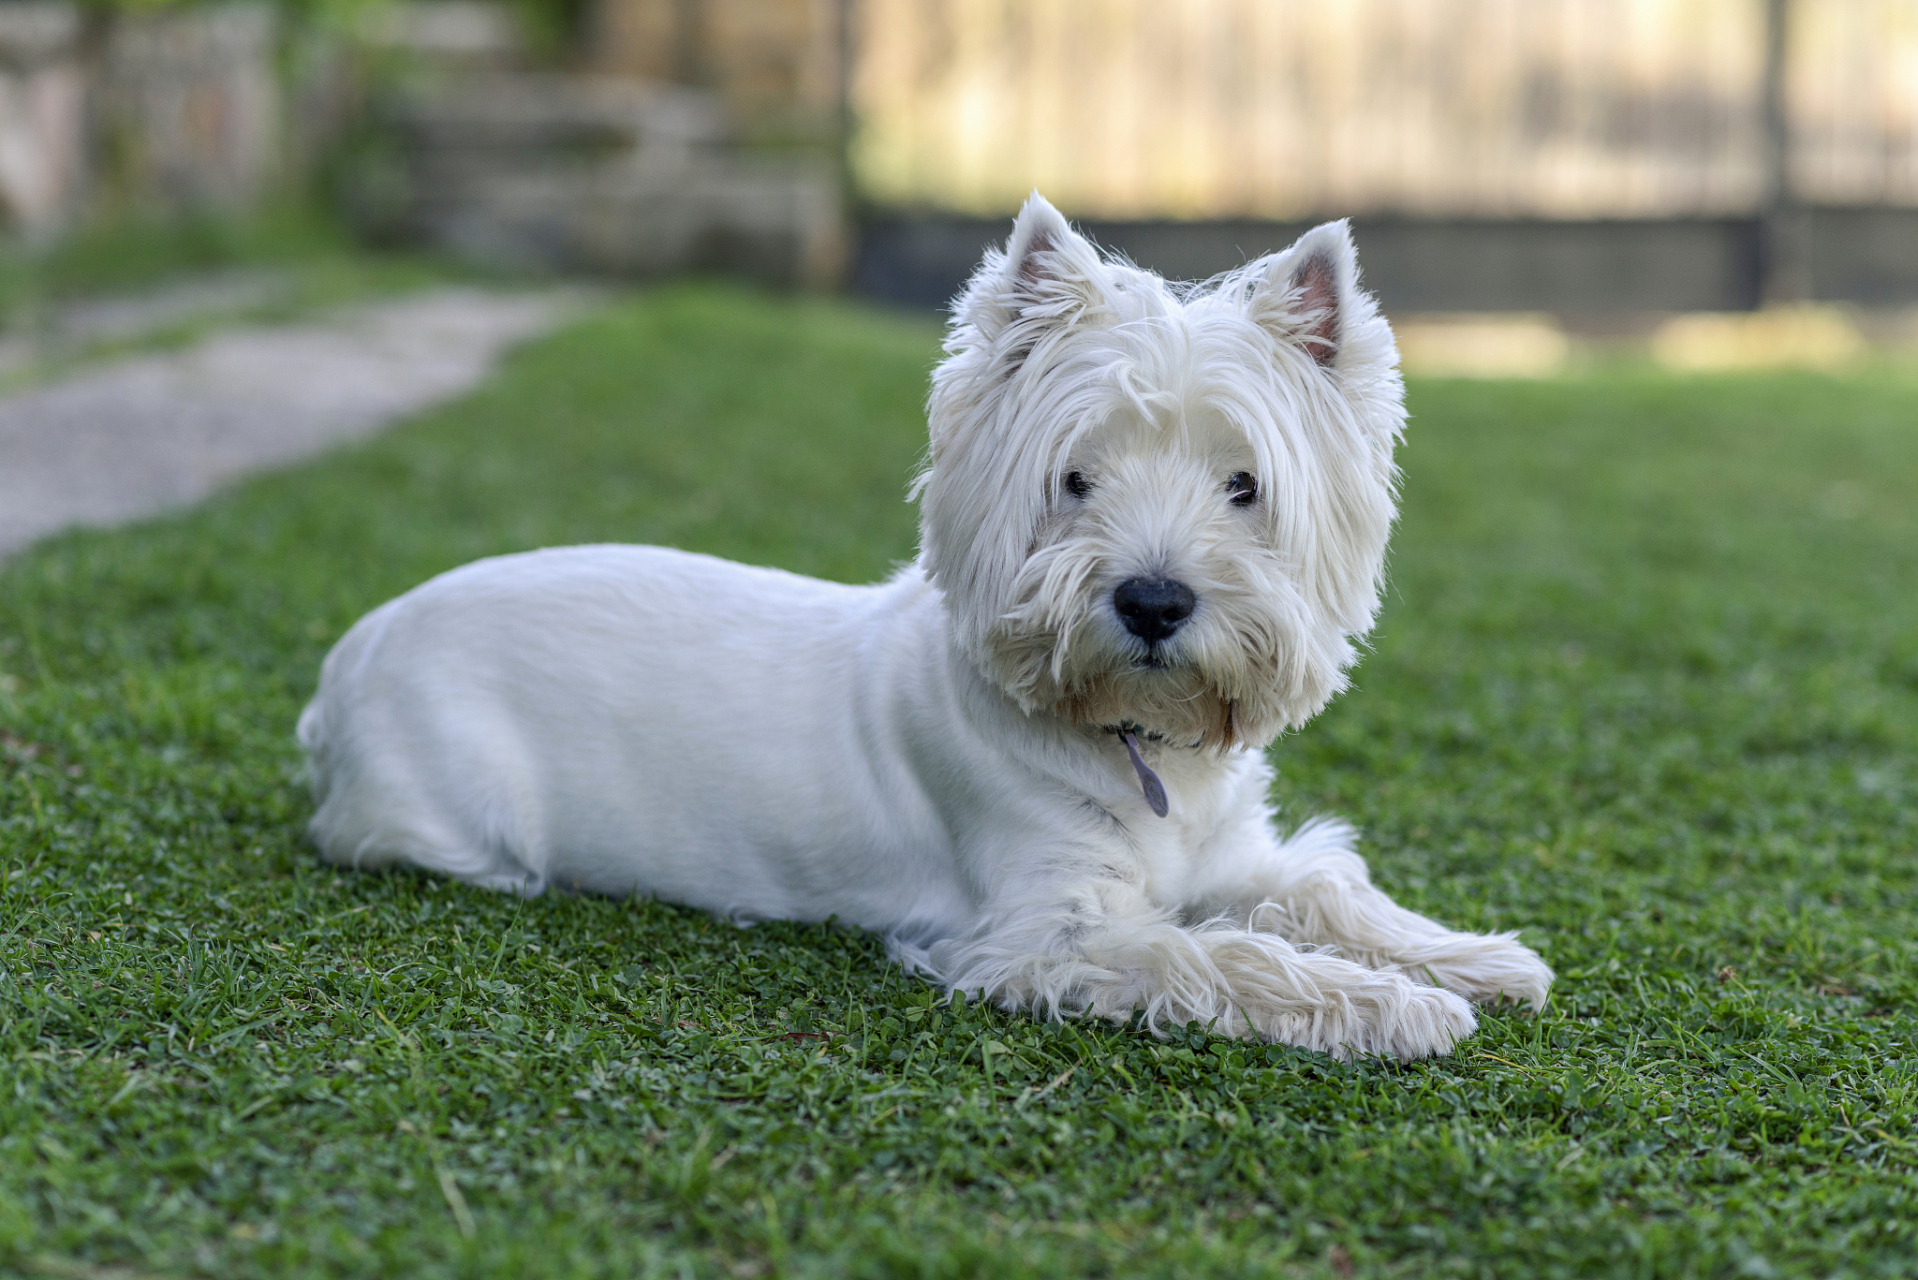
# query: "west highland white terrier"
{"type": "Point", "coordinates": [1154, 524]}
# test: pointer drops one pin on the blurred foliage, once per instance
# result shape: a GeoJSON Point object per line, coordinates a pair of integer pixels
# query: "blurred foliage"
{"type": "Point", "coordinates": [133, 254]}
{"type": "Point", "coordinates": [548, 24]}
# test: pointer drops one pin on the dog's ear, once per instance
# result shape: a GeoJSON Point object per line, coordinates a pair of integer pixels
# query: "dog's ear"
{"type": "Point", "coordinates": [1309, 294]}
{"type": "Point", "coordinates": [1048, 278]}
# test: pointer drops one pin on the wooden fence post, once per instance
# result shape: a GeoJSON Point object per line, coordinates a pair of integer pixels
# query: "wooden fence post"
{"type": "Point", "coordinates": [1784, 268]}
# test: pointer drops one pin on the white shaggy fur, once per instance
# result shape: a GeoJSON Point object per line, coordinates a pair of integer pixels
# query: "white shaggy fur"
{"type": "Point", "coordinates": [939, 757]}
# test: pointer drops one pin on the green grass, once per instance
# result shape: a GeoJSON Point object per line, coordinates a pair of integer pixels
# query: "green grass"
{"type": "Point", "coordinates": [1646, 688]}
{"type": "Point", "coordinates": [122, 255]}
{"type": "Point", "coordinates": [128, 255]}
{"type": "Point", "coordinates": [305, 258]}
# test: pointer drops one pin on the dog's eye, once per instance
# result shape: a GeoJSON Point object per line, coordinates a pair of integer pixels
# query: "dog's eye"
{"type": "Point", "coordinates": [1242, 490]}
{"type": "Point", "coordinates": [1077, 485]}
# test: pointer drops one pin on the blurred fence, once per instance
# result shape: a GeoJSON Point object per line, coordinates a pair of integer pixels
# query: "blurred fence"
{"type": "Point", "coordinates": [1279, 109]}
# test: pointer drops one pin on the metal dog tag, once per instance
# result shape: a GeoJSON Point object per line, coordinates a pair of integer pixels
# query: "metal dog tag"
{"type": "Point", "coordinates": [1148, 780]}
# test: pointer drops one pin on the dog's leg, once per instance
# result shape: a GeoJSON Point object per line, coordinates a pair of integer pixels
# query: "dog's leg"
{"type": "Point", "coordinates": [1108, 951]}
{"type": "Point", "coordinates": [1313, 890]}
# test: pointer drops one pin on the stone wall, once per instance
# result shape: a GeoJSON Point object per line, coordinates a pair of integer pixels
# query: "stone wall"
{"type": "Point", "coordinates": [627, 167]}
{"type": "Point", "coordinates": [187, 103]}
{"type": "Point", "coordinates": [159, 112]}
{"type": "Point", "coordinates": [774, 64]}
{"type": "Point", "coordinates": [437, 131]}
{"type": "Point", "coordinates": [42, 117]}
{"type": "Point", "coordinates": [598, 174]}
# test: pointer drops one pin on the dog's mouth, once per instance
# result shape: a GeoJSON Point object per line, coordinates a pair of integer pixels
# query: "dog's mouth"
{"type": "Point", "coordinates": [1154, 658]}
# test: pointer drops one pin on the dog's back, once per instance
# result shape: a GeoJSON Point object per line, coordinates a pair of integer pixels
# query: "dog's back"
{"type": "Point", "coordinates": [609, 718]}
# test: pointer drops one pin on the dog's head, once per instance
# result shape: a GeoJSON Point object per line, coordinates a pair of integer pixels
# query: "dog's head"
{"type": "Point", "coordinates": [1163, 507]}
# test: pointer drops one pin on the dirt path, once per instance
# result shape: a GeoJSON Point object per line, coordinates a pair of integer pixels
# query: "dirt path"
{"type": "Point", "coordinates": [143, 434]}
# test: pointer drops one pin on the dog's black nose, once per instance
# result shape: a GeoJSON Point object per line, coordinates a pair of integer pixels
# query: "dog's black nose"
{"type": "Point", "coordinates": [1153, 608]}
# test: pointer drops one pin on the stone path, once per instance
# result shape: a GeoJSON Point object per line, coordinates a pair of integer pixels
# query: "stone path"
{"type": "Point", "coordinates": [140, 435]}
{"type": "Point", "coordinates": [72, 328]}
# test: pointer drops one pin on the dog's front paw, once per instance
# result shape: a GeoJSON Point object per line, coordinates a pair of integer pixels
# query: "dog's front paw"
{"type": "Point", "coordinates": [1389, 1015]}
{"type": "Point", "coordinates": [1426, 1022]}
{"type": "Point", "coordinates": [1486, 969]}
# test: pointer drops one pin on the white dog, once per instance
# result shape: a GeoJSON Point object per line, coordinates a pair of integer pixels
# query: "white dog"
{"type": "Point", "coordinates": [1155, 521]}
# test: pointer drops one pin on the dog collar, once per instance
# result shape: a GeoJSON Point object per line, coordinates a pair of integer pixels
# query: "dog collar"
{"type": "Point", "coordinates": [1148, 780]}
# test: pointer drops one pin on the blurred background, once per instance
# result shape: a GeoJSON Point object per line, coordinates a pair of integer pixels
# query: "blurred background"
{"type": "Point", "coordinates": [1714, 182]}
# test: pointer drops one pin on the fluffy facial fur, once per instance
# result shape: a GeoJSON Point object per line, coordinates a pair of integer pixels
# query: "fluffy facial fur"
{"type": "Point", "coordinates": [1154, 528]}
{"type": "Point", "coordinates": [1059, 364]}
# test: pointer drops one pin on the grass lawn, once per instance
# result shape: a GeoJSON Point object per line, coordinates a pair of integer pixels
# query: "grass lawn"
{"type": "Point", "coordinates": [295, 260]}
{"type": "Point", "coordinates": [1646, 688]}
{"type": "Point", "coordinates": [120, 257]}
